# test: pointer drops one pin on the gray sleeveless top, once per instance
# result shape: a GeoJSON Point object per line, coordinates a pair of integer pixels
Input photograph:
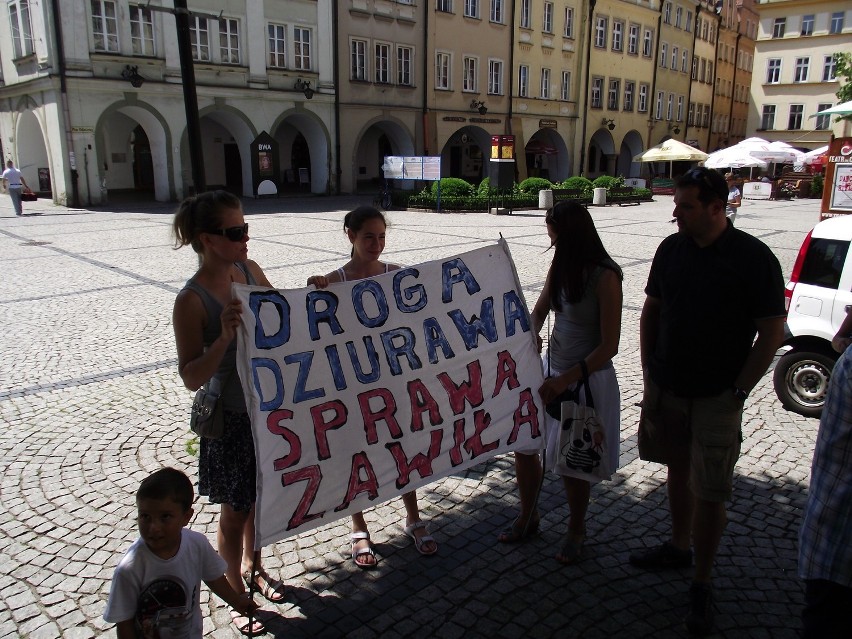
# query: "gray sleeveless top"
{"type": "Point", "coordinates": [577, 330]}
{"type": "Point", "coordinates": [232, 395]}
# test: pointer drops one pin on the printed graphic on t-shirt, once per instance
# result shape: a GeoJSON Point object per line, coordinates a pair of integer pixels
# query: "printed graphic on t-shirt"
{"type": "Point", "coordinates": [164, 610]}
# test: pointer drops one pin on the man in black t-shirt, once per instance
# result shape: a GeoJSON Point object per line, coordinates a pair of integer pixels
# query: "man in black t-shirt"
{"type": "Point", "coordinates": [712, 288]}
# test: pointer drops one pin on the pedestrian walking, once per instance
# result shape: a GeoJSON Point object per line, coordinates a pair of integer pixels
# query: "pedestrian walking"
{"type": "Point", "coordinates": [825, 539]}
{"type": "Point", "coordinates": [14, 182]}
{"type": "Point", "coordinates": [711, 289]}
{"type": "Point", "coordinates": [365, 227]}
{"type": "Point", "coordinates": [583, 287]}
{"type": "Point", "coordinates": [205, 322]}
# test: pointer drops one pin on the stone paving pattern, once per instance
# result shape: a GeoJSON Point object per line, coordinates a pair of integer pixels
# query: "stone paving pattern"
{"type": "Point", "coordinates": [91, 402]}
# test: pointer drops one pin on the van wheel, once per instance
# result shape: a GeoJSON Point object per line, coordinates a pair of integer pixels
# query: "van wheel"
{"type": "Point", "coordinates": [801, 381]}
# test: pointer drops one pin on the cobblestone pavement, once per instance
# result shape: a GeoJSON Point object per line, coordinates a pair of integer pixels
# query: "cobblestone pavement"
{"type": "Point", "coordinates": [91, 402]}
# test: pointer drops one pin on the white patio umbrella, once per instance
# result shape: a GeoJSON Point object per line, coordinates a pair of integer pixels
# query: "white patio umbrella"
{"type": "Point", "coordinates": [671, 150]}
{"type": "Point", "coordinates": [844, 108]}
{"type": "Point", "coordinates": [733, 157]}
{"type": "Point", "coordinates": [769, 151]}
{"type": "Point", "coordinates": [814, 157]}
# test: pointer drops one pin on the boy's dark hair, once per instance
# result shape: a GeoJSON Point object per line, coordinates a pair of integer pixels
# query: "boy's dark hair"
{"type": "Point", "coordinates": [167, 483]}
{"type": "Point", "coordinates": [711, 185]}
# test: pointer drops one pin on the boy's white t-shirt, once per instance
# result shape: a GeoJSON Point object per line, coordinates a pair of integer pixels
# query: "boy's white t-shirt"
{"type": "Point", "coordinates": [163, 594]}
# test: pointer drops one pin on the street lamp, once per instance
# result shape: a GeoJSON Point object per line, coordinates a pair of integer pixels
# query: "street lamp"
{"type": "Point", "coordinates": [609, 123]}
{"type": "Point", "coordinates": [479, 105]}
{"type": "Point", "coordinates": [131, 74]}
{"type": "Point", "coordinates": [305, 87]}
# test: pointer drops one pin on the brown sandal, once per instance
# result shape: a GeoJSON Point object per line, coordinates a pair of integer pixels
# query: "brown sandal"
{"type": "Point", "coordinates": [519, 531]}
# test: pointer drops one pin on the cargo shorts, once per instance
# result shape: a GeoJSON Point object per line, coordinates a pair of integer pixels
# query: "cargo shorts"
{"type": "Point", "coordinates": [705, 432]}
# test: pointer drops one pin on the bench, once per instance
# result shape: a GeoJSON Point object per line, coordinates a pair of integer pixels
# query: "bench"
{"type": "Point", "coordinates": [624, 196]}
{"type": "Point", "coordinates": [568, 194]}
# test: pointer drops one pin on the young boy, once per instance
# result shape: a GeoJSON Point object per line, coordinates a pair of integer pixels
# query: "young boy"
{"type": "Point", "coordinates": [155, 588]}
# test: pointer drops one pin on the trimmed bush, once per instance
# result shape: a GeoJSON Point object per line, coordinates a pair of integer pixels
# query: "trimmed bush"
{"type": "Point", "coordinates": [453, 187]}
{"type": "Point", "coordinates": [607, 182]}
{"type": "Point", "coordinates": [484, 187]}
{"type": "Point", "coordinates": [534, 185]}
{"type": "Point", "coordinates": [577, 182]}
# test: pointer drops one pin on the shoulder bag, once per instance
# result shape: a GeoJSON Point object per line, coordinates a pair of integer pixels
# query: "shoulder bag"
{"type": "Point", "coordinates": [207, 417]}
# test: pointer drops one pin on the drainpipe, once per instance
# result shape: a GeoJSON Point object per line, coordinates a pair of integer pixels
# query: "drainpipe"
{"type": "Point", "coordinates": [508, 128]}
{"type": "Point", "coordinates": [63, 96]}
{"type": "Point", "coordinates": [586, 88]}
{"type": "Point", "coordinates": [653, 97]}
{"type": "Point", "coordinates": [335, 27]}
{"type": "Point", "coordinates": [425, 107]}
{"type": "Point", "coordinates": [689, 92]}
{"type": "Point", "coordinates": [734, 82]}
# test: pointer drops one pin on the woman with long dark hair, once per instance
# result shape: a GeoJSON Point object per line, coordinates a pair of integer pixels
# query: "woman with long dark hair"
{"type": "Point", "coordinates": [583, 288]}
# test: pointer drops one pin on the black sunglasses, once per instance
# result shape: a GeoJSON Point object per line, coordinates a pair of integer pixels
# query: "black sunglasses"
{"type": "Point", "coordinates": [233, 233]}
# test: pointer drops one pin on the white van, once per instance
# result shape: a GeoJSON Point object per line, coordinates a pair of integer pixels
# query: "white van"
{"type": "Point", "coordinates": [817, 297]}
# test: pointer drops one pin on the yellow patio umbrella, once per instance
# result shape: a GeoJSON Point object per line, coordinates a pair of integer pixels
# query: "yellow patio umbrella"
{"type": "Point", "coordinates": [670, 151]}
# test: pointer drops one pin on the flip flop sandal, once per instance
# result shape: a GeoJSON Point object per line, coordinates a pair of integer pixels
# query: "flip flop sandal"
{"type": "Point", "coordinates": [519, 532]}
{"type": "Point", "coordinates": [270, 588]}
{"type": "Point", "coordinates": [243, 627]}
{"type": "Point", "coordinates": [572, 551]}
{"type": "Point", "coordinates": [420, 541]}
{"type": "Point", "coordinates": [356, 537]}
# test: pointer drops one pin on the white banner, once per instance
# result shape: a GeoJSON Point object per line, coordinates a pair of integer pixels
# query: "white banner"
{"type": "Point", "coordinates": [369, 389]}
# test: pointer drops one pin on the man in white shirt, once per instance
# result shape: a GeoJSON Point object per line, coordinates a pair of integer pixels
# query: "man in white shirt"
{"type": "Point", "coordinates": [15, 183]}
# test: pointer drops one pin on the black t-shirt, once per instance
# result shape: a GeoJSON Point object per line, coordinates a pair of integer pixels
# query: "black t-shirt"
{"type": "Point", "coordinates": [709, 299]}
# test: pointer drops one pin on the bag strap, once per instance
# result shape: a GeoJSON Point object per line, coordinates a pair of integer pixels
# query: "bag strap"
{"type": "Point", "coordinates": [590, 401]}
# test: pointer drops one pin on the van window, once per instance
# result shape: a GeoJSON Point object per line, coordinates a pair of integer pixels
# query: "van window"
{"type": "Point", "coordinates": [824, 262]}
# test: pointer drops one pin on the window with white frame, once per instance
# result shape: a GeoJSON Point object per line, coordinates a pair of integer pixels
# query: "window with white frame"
{"type": "Point", "coordinates": [823, 122]}
{"type": "Point", "coordinates": [779, 26]}
{"type": "Point", "coordinates": [836, 24]}
{"type": "Point", "coordinates": [684, 61]}
{"type": "Point", "coordinates": [547, 20]}
{"type": "Point", "coordinates": [523, 81]}
{"type": "Point", "coordinates": [670, 107]}
{"type": "Point", "coordinates": [382, 61]}
{"type": "Point", "coordinates": [444, 6]}
{"type": "Point", "coordinates": [229, 41]}
{"type": "Point", "coordinates": [642, 102]}
{"type": "Point", "coordinates": [497, 13]}
{"type": "Point", "coordinates": [708, 79]}
{"type": "Point", "coordinates": [22, 30]}
{"type": "Point", "coordinates": [596, 101]}
{"type": "Point", "coordinates": [617, 35]}
{"type": "Point", "coordinates": [664, 52]}
{"type": "Point", "coordinates": [703, 35]}
{"type": "Point", "coordinates": [302, 50]}
{"type": "Point", "coordinates": [565, 87]}
{"type": "Point", "coordinates": [104, 26]}
{"type": "Point", "coordinates": [675, 52]}
{"type": "Point", "coordinates": [495, 77]}
{"type": "Point", "coordinates": [678, 17]}
{"type": "Point", "coordinates": [545, 84]}
{"type": "Point", "coordinates": [633, 39]}
{"type": "Point", "coordinates": [773, 71]}
{"type": "Point", "coordinates": [199, 39]}
{"type": "Point", "coordinates": [277, 45]}
{"type": "Point", "coordinates": [808, 25]}
{"type": "Point", "coordinates": [141, 30]}
{"type": "Point", "coordinates": [801, 70]}
{"type": "Point", "coordinates": [613, 95]}
{"type": "Point", "coordinates": [705, 118]}
{"type": "Point", "coordinates": [568, 32]}
{"type": "Point", "coordinates": [829, 68]}
{"type": "Point", "coordinates": [442, 70]}
{"type": "Point", "coordinates": [526, 12]}
{"type": "Point", "coordinates": [767, 118]}
{"type": "Point", "coordinates": [667, 13]}
{"type": "Point", "coordinates": [471, 8]}
{"type": "Point", "coordinates": [648, 43]}
{"type": "Point", "coordinates": [691, 114]}
{"type": "Point", "coordinates": [469, 74]}
{"type": "Point", "coordinates": [600, 32]}
{"type": "Point", "coordinates": [797, 112]}
{"type": "Point", "coordinates": [679, 117]}
{"type": "Point", "coordinates": [658, 109]}
{"type": "Point", "coordinates": [404, 65]}
{"type": "Point", "coordinates": [688, 24]}
{"type": "Point", "coordinates": [358, 60]}
{"type": "Point", "coordinates": [629, 90]}
{"type": "Point", "coordinates": [695, 60]}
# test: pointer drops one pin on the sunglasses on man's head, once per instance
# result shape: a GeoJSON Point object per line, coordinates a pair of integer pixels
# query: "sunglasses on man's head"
{"type": "Point", "coordinates": [233, 233]}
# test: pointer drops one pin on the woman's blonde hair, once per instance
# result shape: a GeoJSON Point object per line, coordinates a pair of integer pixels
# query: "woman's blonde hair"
{"type": "Point", "coordinates": [200, 213]}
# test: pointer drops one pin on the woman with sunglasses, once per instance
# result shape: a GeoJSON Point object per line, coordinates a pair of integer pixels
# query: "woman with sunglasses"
{"type": "Point", "coordinates": [583, 288]}
{"type": "Point", "coordinates": [205, 320]}
{"type": "Point", "coordinates": [365, 227]}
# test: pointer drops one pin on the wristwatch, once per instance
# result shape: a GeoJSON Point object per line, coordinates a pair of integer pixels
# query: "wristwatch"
{"type": "Point", "coordinates": [739, 393]}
